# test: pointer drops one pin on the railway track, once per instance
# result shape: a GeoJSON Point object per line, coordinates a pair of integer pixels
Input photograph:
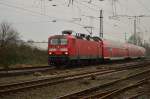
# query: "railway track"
{"type": "Point", "coordinates": [29, 70]}
{"type": "Point", "coordinates": [118, 91]}
{"type": "Point", "coordinates": [48, 80]}
{"type": "Point", "coordinates": [25, 70]}
{"type": "Point", "coordinates": [28, 75]}
{"type": "Point", "coordinates": [137, 95]}
{"type": "Point", "coordinates": [130, 65]}
{"type": "Point", "coordinates": [54, 79]}
{"type": "Point", "coordinates": [110, 89]}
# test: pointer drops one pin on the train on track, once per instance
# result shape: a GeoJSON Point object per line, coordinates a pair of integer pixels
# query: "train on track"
{"type": "Point", "coordinates": [77, 48]}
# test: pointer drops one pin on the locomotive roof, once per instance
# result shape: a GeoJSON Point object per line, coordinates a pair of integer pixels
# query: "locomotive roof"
{"type": "Point", "coordinates": [79, 36]}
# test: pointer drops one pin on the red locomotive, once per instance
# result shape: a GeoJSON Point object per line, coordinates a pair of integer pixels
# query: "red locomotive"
{"type": "Point", "coordinates": [80, 48]}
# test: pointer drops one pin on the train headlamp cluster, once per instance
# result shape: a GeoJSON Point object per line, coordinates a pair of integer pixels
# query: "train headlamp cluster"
{"type": "Point", "coordinates": [63, 49]}
{"type": "Point", "coordinates": [55, 50]}
{"type": "Point", "coordinates": [52, 49]}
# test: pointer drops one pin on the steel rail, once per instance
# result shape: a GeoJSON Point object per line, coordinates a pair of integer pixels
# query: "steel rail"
{"type": "Point", "coordinates": [111, 93]}
{"type": "Point", "coordinates": [130, 65]}
{"type": "Point", "coordinates": [138, 83]}
{"type": "Point", "coordinates": [137, 95]}
{"type": "Point", "coordinates": [94, 89]}
{"type": "Point", "coordinates": [49, 80]}
{"type": "Point", "coordinates": [26, 70]}
{"type": "Point", "coordinates": [16, 86]}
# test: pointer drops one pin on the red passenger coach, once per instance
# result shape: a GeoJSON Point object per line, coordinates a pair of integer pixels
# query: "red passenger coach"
{"type": "Point", "coordinates": [135, 51]}
{"type": "Point", "coordinates": [114, 50]}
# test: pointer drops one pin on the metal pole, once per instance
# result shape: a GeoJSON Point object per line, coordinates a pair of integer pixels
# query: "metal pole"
{"type": "Point", "coordinates": [101, 23]}
{"type": "Point", "coordinates": [135, 42]}
{"type": "Point", "coordinates": [125, 37]}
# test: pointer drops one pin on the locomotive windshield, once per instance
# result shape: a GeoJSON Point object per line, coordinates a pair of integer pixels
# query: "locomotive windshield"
{"type": "Point", "coordinates": [58, 41]}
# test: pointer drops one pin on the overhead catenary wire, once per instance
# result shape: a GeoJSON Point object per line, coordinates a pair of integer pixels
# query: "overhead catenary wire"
{"type": "Point", "coordinates": [97, 17]}
{"type": "Point", "coordinates": [90, 6]}
{"type": "Point", "coordinates": [24, 9]}
{"type": "Point", "coordinates": [96, 9]}
{"type": "Point", "coordinates": [93, 9]}
{"type": "Point", "coordinates": [34, 12]}
{"type": "Point", "coordinates": [37, 13]}
{"type": "Point", "coordinates": [145, 7]}
{"type": "Point", "coordinates": [126, 7]}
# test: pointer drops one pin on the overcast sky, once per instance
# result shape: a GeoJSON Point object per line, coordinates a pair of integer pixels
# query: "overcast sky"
{"type": "Point", "coordinates": [35, 19]}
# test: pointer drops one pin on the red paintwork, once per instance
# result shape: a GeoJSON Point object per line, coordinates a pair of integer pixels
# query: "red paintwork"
{"type": "Point", "coordinates": [88, 49]}
{"type": "Point", "coordinates": [85, 48]}
{"type": "Point", "coordinates": [135, 51]}
{"type": "Point", "coordinates": [119, 50]}
{"type": "Point", "coordinates": [79, 48]}
{"type": "Point", "coordinates": [114, 49]}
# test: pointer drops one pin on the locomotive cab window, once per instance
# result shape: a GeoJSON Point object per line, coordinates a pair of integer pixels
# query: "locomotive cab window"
{"type": "Point", "coordinates": [63, 41]}
{"type": "Point", "coordinates": [58, 41]}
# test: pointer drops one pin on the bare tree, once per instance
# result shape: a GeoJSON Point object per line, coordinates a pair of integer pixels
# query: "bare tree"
{"type": "Point", "coordinates": [138, 40]}
{"type": "Point", "coordinates": [8, 35]}
{"type": "Point", "coordinates": [135, 39]}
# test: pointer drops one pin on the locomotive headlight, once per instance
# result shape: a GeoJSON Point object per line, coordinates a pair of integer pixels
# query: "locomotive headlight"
{"type": "Point", "coordinates": [52, 49]}
{"type": "Point", "coordinates": [63, 49]}
{"type": "Point", "coordinates": [66, 53]}
{"type": "Point", "coordinates": [50, 53]}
